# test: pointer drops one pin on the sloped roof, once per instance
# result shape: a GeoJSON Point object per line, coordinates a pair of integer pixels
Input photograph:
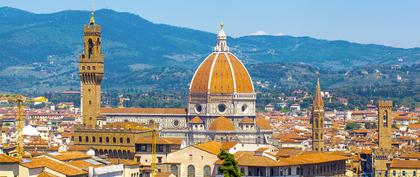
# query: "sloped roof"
{"type": "Point", "coordinates": [196, 120]}
{"type": "Point", "coordinates": [405, 164]}
{"type": "Point", "coordinates": [263, 123]}
{"type": "Point", "coordinates": [222, 124]}
{"type": "Point", "coordinates": [212, 147]}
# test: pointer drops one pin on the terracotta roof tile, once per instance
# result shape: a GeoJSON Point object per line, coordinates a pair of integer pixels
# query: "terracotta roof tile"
{"type": "Point", "coordinates": [405, 164]}
{"type": "Point", "coordinates": [196, 120]}
{"type": "Point", "coordinates": [57, 166]}
{"type": "Point", "coordinates": [263, 123]}
{"type": "Point", "coordinates": [222, 124]}
{"type": "Point", "coordinates": [212, 147]}
{"type": "Point", "coordinates": [143, 111]}
{"type": "Point", "coordinates": [7, 159]}
{"type": "Point", "coordinates": [70, 155]}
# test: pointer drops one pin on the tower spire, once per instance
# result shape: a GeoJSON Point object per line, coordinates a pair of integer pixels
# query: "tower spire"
{"type": "Point", "coordinates": [92, 18]}
{"type": "Point", "coordinates": [318, 102]}
{"type": "Point", "coordinates": [221, 45]}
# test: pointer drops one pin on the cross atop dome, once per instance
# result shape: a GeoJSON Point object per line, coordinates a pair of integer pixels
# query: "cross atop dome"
{"type": "Point", "coordinates": [221, 45]}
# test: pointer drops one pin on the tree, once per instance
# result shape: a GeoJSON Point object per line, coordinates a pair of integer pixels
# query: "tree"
{"type": "Point", "coordinates": [352, 126]}
{"type": "Point", "coordinates": [229, 166]}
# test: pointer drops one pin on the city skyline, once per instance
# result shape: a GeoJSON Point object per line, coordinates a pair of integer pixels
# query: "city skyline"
{"type": "Point", "coordinates": [361, 22]}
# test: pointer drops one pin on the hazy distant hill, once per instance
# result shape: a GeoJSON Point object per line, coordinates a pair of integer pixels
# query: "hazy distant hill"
{"type": "Point", "coordinates": [39, 52]}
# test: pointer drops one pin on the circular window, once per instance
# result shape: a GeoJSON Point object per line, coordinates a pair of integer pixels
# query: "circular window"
{"type": "Point", "coordinates": [244, 107]}
{"type": "Point", "coordinates": [176, 122]}
{"type": "Point", "coordinates": [198, 108]}
{"type": "Point", "coordinates": [221, 108]}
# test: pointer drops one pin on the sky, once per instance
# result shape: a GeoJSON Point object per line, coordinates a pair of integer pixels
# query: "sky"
{"type": "Point", "coordinates": [387, 22]}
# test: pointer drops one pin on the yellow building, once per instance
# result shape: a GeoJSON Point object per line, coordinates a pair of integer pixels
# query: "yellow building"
{"type": "Point", "coordinates": [404, 167]}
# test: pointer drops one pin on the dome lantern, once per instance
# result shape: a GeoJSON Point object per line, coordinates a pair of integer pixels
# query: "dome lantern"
{"type": "Point", "coordinates": [221, 45]}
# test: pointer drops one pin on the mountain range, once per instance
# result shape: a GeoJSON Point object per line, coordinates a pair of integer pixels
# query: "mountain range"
{"type": "Point", "coordinates": [39, 53]}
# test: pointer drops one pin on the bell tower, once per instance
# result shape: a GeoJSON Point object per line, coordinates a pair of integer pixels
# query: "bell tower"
{"type": "Point", "coordinates": [317, 120]}
{"type": "Point", "coordinates": [91, 73]}
{"type": "Point", "coordinates": [385, 124]}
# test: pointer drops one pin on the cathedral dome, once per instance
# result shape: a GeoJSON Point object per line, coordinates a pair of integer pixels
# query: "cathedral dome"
{"type": "Point", "coordinates": [222, 124]}
{"type": "Point", "coordinates": [221, 72]}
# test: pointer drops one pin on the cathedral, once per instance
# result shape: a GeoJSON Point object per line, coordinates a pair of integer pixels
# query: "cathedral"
{"type": "Point", "coordinates": [221, 102]}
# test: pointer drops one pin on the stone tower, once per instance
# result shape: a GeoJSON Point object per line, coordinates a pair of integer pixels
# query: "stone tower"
{"type": "Point", "coordinates": [385, 124]}
{"type": "Point", "coordinates": [384, 154]}
{"type": "Point", "coordinates": [91, 73]}
{"type": "Point", "coordinates": [317, 120]}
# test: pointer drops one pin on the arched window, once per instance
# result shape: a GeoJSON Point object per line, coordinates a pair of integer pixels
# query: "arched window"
{"type": "Point", "coordinates": [87, 139]}
{"type": "Point", "coordinates": [114, 140]}
{"type": "Point", "coordinates": [100, 139]}
{"type": "Point", "coordinates": [191, 171]}
{"type": "Point", "coordinates": [386, 118]}
{"type": "Point", "coordinates": [174, 169]}
{"type": "Point", "coordinates": [80, 138]}
{"type": "Point", "coordinates": [121, 140]}
{"type": "Point", "coordinates": [90, 48]}
{"type": "Point", "coordinates": [128, 140]}
{"type": "Point", "coordinates": [93, 139]}
{"type": "Point", "coordinates": [316, 135]}
{"type": "Point", "coordinates": [207, 171]}
{"type": "Point", "coordinates": [107, 139]}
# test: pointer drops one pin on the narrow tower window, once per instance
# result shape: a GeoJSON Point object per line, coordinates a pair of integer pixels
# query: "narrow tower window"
{"type": "Point", "coordinates": [90, 49]}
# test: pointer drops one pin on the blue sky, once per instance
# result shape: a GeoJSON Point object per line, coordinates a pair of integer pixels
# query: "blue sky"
{"type": "Point", "coordinates": [388, 22]}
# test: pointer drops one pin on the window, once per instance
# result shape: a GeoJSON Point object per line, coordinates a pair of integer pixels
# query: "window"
{"type": "Point", "coordinates": [143, 148]}
{"type": "Point", "coordinates": [121, 140]}
{"type": "Point", "coordinates": [107, 139]}
{"type": "Point", "coordinates": [114, 140]}
{"type": "Point", "coordinates": [174, 169]}
{"type": "Point", "coordinates": [138, 158]}
{"type": "Point", "coordinates": [94, 67]}
{"type": "Point", "coordinates": [80, 139]}
{"type": "Point", "coordinates": [93, 139]}
{"type": "Point", "coordinates": [90, 48]}
{"type": "Point", "coordinates": [100, 139]}
{"type": "Point", "coordinates": [83, 67]}
{"type": "Point", "coordinates": [244, 107]}
{"type": "Point", "coordinates": [191, 171]}
{"type": "Point", "coordinates": [160, 148]}
{"type": "Point", "coordinates": [87, 139]}
{"type": "Point", "coordinates": [176, 122]}
{"type": "Point", "coordinates": [207, 171]}
{"type": "Point", "coordinates": [289, 171]}
{"type": "Point", "coordinates": [128, 140]}
{"type": "Point", "coordinates": [403, 173]}
{"type": "Point", "coordinates": [414, 173]}
{"type": "Point", "coordinates": [198, 108]}
{"type": "Point", "coordinates": [221, 108]}
{"type": "Point", "coordinates": [88, 67]}
{"type": "Point", "coordinates": [159, 159]}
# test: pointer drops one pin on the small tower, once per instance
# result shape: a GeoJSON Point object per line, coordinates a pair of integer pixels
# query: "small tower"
{"type": "Point", "coordinates": [317, 120]}
{"type": "Point", "coordinates": [91, 73]}
{"type": "Point", "coordinates": [385, 124]}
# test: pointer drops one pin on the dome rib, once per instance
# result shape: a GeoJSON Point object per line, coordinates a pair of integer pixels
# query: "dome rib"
{"type": "Point", "coordinates": [232, 72]}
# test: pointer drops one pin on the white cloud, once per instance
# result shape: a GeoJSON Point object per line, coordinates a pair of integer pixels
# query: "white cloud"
{"type": "Point", "coordinates": [258, 33]}
{"type": "Point", "coordinates": [279, 34]}
{"type": "Point", "coordinates": [261, 32]}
